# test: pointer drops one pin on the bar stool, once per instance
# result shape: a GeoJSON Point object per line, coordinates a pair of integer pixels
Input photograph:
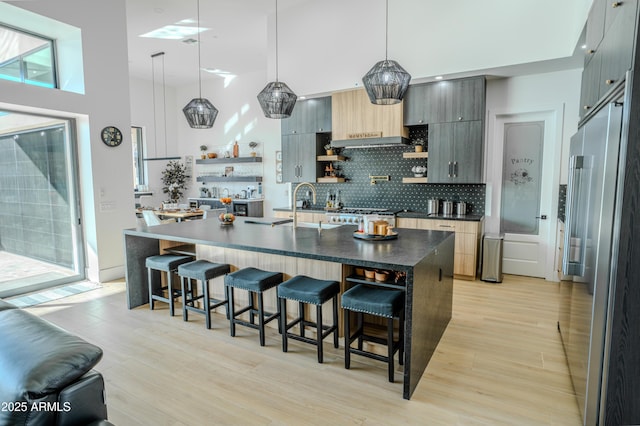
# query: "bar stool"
{"type": "Point", "coordinates": [380, 302]}
{"type": "Point", "coordinates": [255, 281]}
{"type": "Point", "coordinates": [203, 271]}
{"type": "Point", "coordinates": [311, 291]}
{"type": "Point", "coordinates": [164, 263]}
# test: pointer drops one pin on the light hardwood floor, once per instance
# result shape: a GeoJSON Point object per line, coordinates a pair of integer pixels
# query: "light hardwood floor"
{"type": "Point", "coordinates": [500, 362]}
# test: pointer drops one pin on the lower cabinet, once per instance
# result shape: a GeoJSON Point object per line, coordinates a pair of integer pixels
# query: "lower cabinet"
{"type": "Point", "coordinates": [467, 241]}
{"type": "Point", "coordinates": [310, 217]}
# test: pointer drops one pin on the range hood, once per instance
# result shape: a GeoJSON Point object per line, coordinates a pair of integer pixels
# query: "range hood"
{"type": "Point", "coordinates": [357, 123]}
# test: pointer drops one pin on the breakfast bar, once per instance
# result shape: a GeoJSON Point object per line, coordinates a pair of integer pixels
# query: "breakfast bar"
{"type": "Point", "coordinates": [423, 258]}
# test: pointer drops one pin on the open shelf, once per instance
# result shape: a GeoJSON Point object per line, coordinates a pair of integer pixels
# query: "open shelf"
{"type": "Point", "coordinates": [329, 179]}
{"type": "Point", "coordinates": [185, 250]}
{"type": "Point", "coordinates": [229, 179]}
{"type": "Point", "coordinates": [389, 283]}
{"type": "Point", "coordinates": [223, 160]}
{"type": "Point", "coordinates": [414, 180]}
{"type": "Point", "coordinates": [330, 158]}
{"type": "Point", "coordinates": [415, 155]}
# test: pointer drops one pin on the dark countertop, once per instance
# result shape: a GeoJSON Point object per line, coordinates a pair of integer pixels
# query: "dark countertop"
{"type": "Point", "coordinates": [333, 245]}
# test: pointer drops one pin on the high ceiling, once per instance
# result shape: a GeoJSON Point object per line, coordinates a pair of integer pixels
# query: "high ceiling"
{"type": "Point", "coordinates": [235, 41]}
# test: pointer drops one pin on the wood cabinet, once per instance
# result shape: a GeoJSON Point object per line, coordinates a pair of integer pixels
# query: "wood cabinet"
{"type": "Point", "coordinates": [309, 217]}
{"type": "Point", "coordinates": [299, 154]}
{"type": "Point", "coordinates": [445, 101]}
{"type": "Point", "coordinates": [609, 53]}
{"type": "Point", "coordinates": [353, 116]}
{"type": "Point", "coordinates": [455, 152]}
{"type": "Point", "coordinates": [467, 241]}
{"type": "Point", "coordinates": [309, 116]}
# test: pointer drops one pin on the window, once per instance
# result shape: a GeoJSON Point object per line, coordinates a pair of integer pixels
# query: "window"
{"type": "Point", "coordinates": [137, 146]}
{"type": "Point", "coordinates": [26, 58]}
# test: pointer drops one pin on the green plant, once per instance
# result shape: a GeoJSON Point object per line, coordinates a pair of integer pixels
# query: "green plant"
{"type": "Point", "coordinates": [203, 148]}
{"type": "Point", "coordinates": [419, 142]}
{"type": "Point", "coordinates": [327, 147]}
{"type": "Point", "coordinates": [174, 179]}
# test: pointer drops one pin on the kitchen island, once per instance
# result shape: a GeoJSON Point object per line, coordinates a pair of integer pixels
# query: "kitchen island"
{"type": "Point", "coordinates": [423, 258]}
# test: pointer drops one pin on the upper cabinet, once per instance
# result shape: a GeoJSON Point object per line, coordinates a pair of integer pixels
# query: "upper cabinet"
{"type": "Point", "coordinates": [445, 102]}
{"type": "Point", "coordinates": [309, 116]}
{"type": "Point", "coordinates": [455, 152]}
{"type": "Point", "coordinates": [355, 117]}
{"type": "Point", "coordinates": [609, 53]}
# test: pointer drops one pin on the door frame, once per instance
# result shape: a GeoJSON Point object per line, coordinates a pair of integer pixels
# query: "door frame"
{"type": "Point", "coordinates": [553, 117]}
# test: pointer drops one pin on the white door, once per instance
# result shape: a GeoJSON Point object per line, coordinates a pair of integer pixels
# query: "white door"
{"type": "Point", "coordinates": [526, 191]}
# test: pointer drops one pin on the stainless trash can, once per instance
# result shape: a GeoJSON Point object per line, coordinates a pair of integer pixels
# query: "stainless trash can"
{"type": "Point", "coordinates": [492, 258]}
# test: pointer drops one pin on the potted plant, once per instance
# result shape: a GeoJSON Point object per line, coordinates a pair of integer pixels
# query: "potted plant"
{"type": "Point", "coordinates": [329, 149]}
{"type": "Point", "coordinates": [419, 144]}
{"type": "Point", "coordinates": [203, 149]}
{"type": "Point", "coordinates": [174, 179]}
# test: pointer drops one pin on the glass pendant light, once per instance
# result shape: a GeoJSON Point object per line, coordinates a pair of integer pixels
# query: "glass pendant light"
{"type": "Point", "coordinates": [200, 113]}
{"type": "Point", "coordinates": [386, 82]}
{"type": "Point", "coordinates": [277, 99]}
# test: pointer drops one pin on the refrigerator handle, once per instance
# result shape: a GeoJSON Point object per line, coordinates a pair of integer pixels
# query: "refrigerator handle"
{"type": "Point", "coordinates": [574, 240]}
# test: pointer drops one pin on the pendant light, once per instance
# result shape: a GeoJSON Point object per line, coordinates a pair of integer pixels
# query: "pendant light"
{"type": "Point", "coordinates": [386, 82]}
{"type": "Point", "coordinates": [200, 113]}
{"type": "Point", "coordinates": [277, 99]}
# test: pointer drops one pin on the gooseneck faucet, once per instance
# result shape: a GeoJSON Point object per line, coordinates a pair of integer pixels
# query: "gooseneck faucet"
{"type": "Point", "coordinates": [295, 196]}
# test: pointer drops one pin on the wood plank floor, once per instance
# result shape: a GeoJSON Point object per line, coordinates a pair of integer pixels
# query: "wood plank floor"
{"type": "Point", "coordinates": [500, 362]}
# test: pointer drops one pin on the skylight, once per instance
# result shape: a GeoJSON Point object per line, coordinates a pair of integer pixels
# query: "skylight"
{"type": "Point", "coordinates": [173, 32]}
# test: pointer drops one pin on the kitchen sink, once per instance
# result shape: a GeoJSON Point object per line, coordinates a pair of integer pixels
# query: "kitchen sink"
{"type": "Point", "coordinates": [312, 225]}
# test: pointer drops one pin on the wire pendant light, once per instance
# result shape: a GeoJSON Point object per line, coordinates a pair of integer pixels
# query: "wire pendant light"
{"type": "Point", "coordinates": [277, 99]}
{"type": "Point", "coordinates": [200, 113]}
{"type": "Point", "coordinates": [386, 82]}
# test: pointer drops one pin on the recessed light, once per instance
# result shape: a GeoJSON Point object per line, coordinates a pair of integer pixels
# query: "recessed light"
{"type": "Point", "coordinates": [584, 46]}
{"type": "Point", "coordinates": [438, 77]}
{"type": "Point", "coordinates": [302, 98]}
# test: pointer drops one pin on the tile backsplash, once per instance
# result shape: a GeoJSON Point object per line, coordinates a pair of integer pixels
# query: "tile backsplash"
{"type": "Point", "coordinates": [388, 161]}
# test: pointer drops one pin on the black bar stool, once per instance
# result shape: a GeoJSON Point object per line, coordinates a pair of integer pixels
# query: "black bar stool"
{"type": "Point", "coordinates": [312, 291]}
{"type": "Point", "coordinates": [164, 263]}
{"type": "Point", "coordinates": [380, 302]}
{"type": "Point", "coordinates": [203, 271]}
{"type": "Point", "coordinates": [255, 281]}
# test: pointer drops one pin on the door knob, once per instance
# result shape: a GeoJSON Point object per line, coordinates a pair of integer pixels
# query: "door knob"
{"type": "Point", "coordinates": [542, 217]}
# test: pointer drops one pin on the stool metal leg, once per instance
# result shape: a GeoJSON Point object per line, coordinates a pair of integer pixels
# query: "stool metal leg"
{"type": "Point", "coordinates": [150, 281]}
{"type": "Point", "coordinates": [183, 286]}
{"type": "Point", "coordinates": [302, 318]}
{"type": "Point", "coordinates": [260, 318]}
{"type": "Point", "coordinates": [283, 324]}
{"type": "Point", "coordinates": [390, 347]}
{"type": "Point", "coordinates": [232, 324]}
{"type": "Point", "coordinates": [170, 293]}
{"type": "Point", "coordinates": [207, 310]}
{"type": "Point", "coordinates": [360, 329]}
{"type": "Point", "coordinates": [335, 321]}
{"type": "Point", "coordinates": [347, 339]}
{"type": "Point", "coordinates": [319, 331]}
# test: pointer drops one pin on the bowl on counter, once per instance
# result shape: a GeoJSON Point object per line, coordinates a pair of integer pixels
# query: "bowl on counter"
{"type": "Point", "coordinates": [226, 218]}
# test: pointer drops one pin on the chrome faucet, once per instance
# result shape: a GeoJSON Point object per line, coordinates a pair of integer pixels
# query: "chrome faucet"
{"type": "Point", "coordinates": [295, 195]}
{"type": "Point", "coordinates": [225, 192]}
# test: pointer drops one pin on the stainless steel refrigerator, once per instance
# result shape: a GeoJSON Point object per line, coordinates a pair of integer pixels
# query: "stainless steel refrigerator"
{"type": "Point", "coordinates": [589, 231]}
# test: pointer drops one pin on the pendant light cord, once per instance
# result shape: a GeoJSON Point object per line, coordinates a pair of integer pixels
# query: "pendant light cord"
{"type": "Point", "coordinates": [386, 34]}
{"type": "Point", "coordinates": [164, 105]}
{"type": "Point", "coordinates": [199, 66]}
{"type": "Point", "coordinates": [276, 40]}
{"type": "Point", "coordinates": [153, 94]}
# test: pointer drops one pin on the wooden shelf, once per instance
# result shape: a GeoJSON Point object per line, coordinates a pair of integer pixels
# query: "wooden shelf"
{"type": "Point", "coordinates": [229, 179]}
{"type": "Point", "coordinates": [330, 158]}
{"type": "Point", "coordinates": [330, 179]}
{"type": "Point", "coordinates": [389, 283]}
{"type": "Point", "coordinates": [415, 155]}
{"type": "Point", "coordinates": [414, 180]}
{"type": "Point", "coordinates": [223, 160]}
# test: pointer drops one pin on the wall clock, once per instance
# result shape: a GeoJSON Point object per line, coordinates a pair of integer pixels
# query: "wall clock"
{"type": "Point", "coordinates": [111, 136]}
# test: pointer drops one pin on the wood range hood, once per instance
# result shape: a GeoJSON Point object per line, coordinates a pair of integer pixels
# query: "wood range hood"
{"type": "Point", "coordinates": [357, 123]}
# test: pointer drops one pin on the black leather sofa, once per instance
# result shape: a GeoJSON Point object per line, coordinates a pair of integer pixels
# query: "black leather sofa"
{"type": "Point", "coordinates": [46, 375]}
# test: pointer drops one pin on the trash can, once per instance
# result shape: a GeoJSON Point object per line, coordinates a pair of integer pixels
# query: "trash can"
{"type": "Point", "coordinates": [492, 258]}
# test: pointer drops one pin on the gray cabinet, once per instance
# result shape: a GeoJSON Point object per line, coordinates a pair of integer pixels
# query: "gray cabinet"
{"type": "Point", "coordinates": [610, 38]}
{"type": "Point", "coordinates": [455, 152]}
{"type": "Point", "coordinates": [309, 116]}
{"type": "Point", "coordinates": [445, 101]}
{"type": "Point", "coordinates": [299, 153]}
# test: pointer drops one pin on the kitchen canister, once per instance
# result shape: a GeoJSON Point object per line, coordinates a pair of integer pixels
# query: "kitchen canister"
{"type": "Point", "coordinates": [433, 206]}
{"type": "Point", "coordinates": [447, 208]}
{"type": "Point", "coordinates": [461, 208]}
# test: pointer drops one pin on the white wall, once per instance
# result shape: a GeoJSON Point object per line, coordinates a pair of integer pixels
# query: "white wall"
{"type": "Point", "coordinates": [105, 173]}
